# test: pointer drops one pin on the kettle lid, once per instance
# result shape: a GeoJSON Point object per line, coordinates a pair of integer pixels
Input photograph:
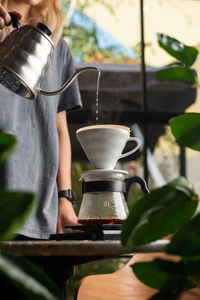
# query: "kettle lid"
{"type": "Point", "coordinates": [44, 28]}
{"type": "Point", "coordinates": [15, 17]}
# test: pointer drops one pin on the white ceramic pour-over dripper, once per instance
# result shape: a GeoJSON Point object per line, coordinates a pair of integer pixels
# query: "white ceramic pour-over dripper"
{"type": "Point", "coordinates": [103, 144]}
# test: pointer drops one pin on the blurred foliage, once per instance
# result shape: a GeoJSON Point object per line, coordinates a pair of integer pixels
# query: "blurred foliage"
{"type": "Point", "coordinates": [17, 275]}
{"type": "Point", "coordinates": [167, 210]}
{"type": "Point", "coordinates": [160, 213]}
{"type": "Point", "coordinates": [84, 42]}
{"type": "Point", "coordinates": [173, 208]}
{"type": "Point", "coordinates": [138, 51]}
{"type": "Point", "coordinates": [83, 5]}
{"type": "Point", "coordinates": [84, 46]}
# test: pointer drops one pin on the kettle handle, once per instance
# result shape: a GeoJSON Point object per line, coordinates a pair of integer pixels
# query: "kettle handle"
{"type": "Point", "coordinates": [140, 181]}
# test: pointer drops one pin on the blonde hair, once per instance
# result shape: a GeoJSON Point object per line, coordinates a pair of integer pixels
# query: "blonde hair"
{"type": "Point", "coordinates": [47, 12]}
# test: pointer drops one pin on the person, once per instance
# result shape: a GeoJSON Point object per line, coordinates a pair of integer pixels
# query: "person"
{"type": "Point", "coordinates": [42, 161]}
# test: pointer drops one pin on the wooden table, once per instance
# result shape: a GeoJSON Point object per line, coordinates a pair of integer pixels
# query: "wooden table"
{"type": "Point", "coordinates": [58, 258]}
{"type": "Point", "coordinates": [77, 249]}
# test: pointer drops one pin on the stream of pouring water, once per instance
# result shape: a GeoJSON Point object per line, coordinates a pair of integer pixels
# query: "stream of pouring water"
{"type": "Point", "coordinates": [97, 97]}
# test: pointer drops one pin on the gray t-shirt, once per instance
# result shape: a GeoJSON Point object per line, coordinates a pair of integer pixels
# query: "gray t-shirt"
{"type": "Point", "coordinates": [33, 166]}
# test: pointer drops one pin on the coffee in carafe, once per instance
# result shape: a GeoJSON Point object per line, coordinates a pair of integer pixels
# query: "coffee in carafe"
{"type": "Point", "coordinates": [100, 221]}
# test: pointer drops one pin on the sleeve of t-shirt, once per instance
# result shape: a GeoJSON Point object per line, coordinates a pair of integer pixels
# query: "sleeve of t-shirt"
{"type": "Point", "coordinates": [70, 99]}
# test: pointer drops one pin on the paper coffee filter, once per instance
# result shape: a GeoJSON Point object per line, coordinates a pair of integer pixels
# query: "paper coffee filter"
{"type": "Point", "coordinates": [103, 126]}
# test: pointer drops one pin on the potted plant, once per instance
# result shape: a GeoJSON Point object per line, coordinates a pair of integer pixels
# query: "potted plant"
{"type": "Point", "coordinates": [171, 209]}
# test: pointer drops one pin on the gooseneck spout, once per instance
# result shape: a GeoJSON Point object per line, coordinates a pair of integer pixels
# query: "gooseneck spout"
{"type": "Point", "coordinates": [69, 81]}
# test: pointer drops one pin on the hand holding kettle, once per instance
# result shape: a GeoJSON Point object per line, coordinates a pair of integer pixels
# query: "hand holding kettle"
{"type": "Point", "coordinates": [5, 19]}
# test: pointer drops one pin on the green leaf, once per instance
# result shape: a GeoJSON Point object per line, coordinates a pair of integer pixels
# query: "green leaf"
{"type": "Point", "coordinates": [167, 275]}
{"type": "Point", "coordinates": [160, 213]}
{"type": "Point", "coordinates": [171, 278]}
{"type": "Point", "coordinates": [27, 278]}
{"type": "Point", "coordinates": [175, 48]}
{"type": "Point", "coordinates": [15, 208]}
{"type": "Point", "coordinates": [173, 73]}
{"type": "Point", "coordinates": [186, 242]}
{"type": "Point", "coordinates": [170, 267]}
{"type": "Point", "coordinates": [150, 274]}
{"type": "Point", "coordinates": [7, 145]}
{"type": "Point", "coordinates": [188, 270]}
{"type": "Point", "coordinates": [162, 223]}
{"type": "Point", "coordinates": [181, 183]}
{"type": "Point", "coordinates": [186, 130]}
{"type": "Point", "coordinates": [138, 210]}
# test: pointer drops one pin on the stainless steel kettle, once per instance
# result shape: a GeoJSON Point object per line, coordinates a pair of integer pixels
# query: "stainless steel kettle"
{"type": "Point", "coordinates": [25, 55]}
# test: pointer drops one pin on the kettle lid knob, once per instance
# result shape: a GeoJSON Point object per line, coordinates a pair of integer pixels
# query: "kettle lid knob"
{"type": "Point", "coordinates": [44, 28]}
{"type": "Point", "coordinates": [15, 17]}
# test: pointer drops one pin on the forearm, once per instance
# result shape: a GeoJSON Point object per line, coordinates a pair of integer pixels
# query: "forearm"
{"type": "Point", "coordinates": [64, 166]}
{"type": "Point", "coordinates": [66, 213]}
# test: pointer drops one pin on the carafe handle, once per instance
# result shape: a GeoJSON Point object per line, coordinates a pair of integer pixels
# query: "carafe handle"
{"type": "Point", "coordinates": [135, 179]}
